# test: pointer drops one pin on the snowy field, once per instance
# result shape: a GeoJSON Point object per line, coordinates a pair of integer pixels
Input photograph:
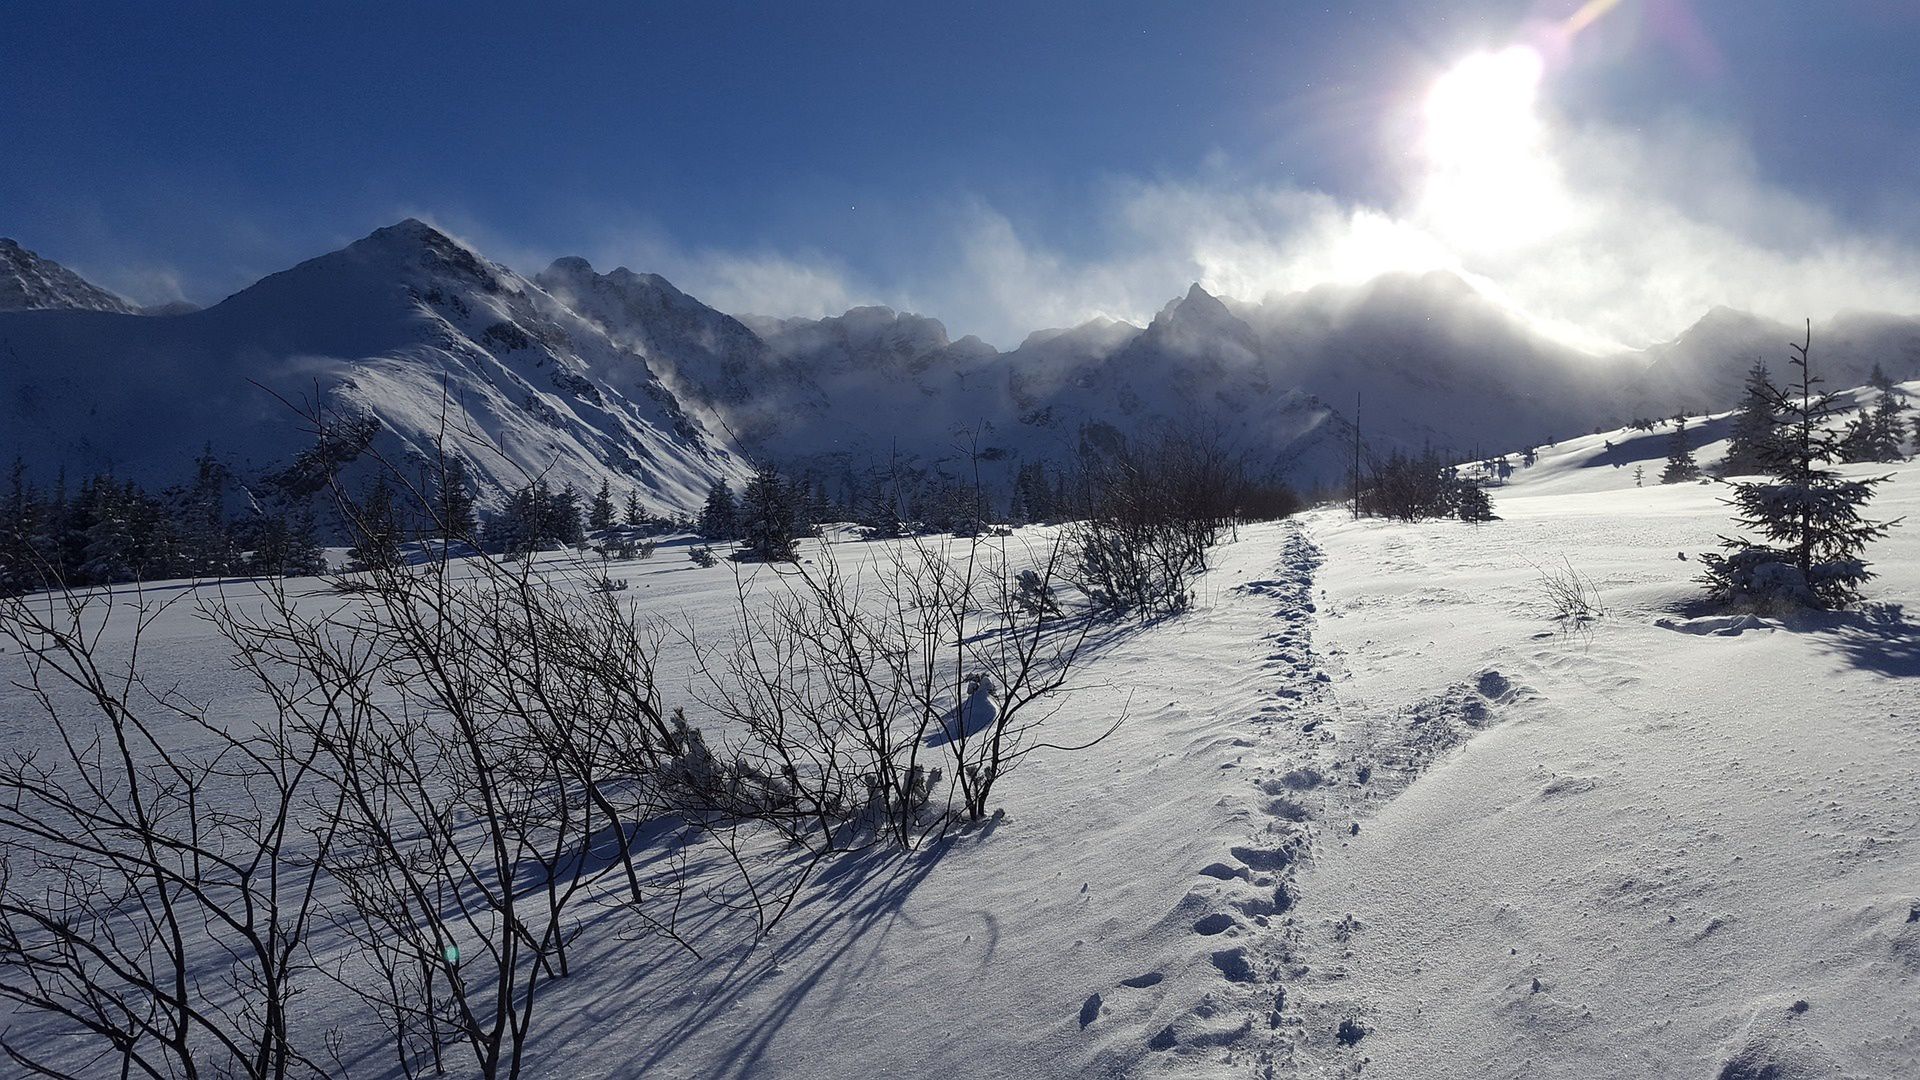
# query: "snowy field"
{"type": "Point", "coordinates": [1373, 810]}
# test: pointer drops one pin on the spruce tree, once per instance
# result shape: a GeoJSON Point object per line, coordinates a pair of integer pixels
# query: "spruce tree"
{"type": "Point", "coordinates": [634, 515]}
{"type": "Point", "coordinates": [768, 523]}
{"type": "Point", "coordinates": [1680, 464]}
{"type": "Point", "coordinates": [453, 509]}
{"type": "Point", "coordinates": [1754, 425]}
{"type": "Point", "coordinates": [1812, 532]}
{"type": "Point", "coordinates": [24, 544]}
{"type": "Point", "coordinates": [600, 512]}
{"type": "Point", "coordinates": [376, 528]}
{"type": "Point", "coordinates": [1889, 429]}
{"type": "Point", "coordinates": [562, 522]}
{"type": "Point", "coordinates": [719, 519]}
{"type": "Point", "coordinates": [205, 539]}
{"type": "Point", "coordinates": [107, 542]}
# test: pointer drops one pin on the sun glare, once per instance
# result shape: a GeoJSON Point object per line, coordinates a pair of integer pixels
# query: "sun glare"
{"type": "Point", "coordinates": [1490, 184]}
{"type": "Point", "coordinates": [1484, 106]}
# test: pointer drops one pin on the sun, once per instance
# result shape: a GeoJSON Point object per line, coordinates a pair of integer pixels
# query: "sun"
{"type": "Point", "coordinates": [1489, 183]}
{"type": "Point", "coordinates": [1484, 106]}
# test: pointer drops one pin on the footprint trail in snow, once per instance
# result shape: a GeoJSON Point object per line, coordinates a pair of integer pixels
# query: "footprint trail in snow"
{"type": "Point", "coordinates": [1306, 771]}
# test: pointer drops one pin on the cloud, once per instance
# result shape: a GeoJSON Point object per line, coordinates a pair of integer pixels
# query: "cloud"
{"type": "Point", "coordinates": [1600, 237]}
{"type": "Point", "coordinates": [1639, 234]}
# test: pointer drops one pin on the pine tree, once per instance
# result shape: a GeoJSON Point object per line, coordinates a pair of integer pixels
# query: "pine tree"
{"type": "Point", "coordinates": [1879, 379]}
{"type": "Point", "coordinates": [1680, 464]}
{"type": "Point", "coordinates": [634, 516]}
{"type": "Point", "coordinates": [107, 541]}
{"type": "Point", "coordinates": [1754, 425]}
{"type": "Point", "coordinates": [205, 538]}
{"type": "Point", "coordinates": [1889, 429]}
{"type": "Point", "coordinates": [24, 543]}
{"type": "Point", "coordinates": [600, 513]}
{"type": "Point", "coordinates": [719, 519]}
{"type": "Point", "coordinates": [562, 520]}
{"type": "Point", "coordinates": [453, 509]}
{"type": "Point", "coordinates": [376, 527]}
{"type": "Point", "coordinates": [767, 520]}
{"type": "Point", "coordinates": [1808, 516]}
{"type": "Point", "coordinates": [284, 545]}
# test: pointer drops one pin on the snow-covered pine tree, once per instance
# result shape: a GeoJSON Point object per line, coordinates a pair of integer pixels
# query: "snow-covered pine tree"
{"type": "Point", "coordinates": [600, 511]}
{"type": "Point", "coordinates": [1754, 425]}
{"type": "Point", "coordinates": [1807, 515]}
{"type": "Point", "coordinates": [1470, 502]}
{"type": "Point", "coordinates": [720, 517]}
{"type": "Point", "coordinates": [1875, 434]}
{"type": "Point", "coordinates": [1680, 464]}
{"type": "Point", "coordinates": [767, 522]}
{"type": "Point", "coordinates": [284, 545]}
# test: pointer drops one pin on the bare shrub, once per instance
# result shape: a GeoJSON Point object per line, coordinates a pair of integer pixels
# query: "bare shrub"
{"type": "Point", "coordinates": [1152, 513]}
{"type": "Point", "coordinates": [159, 899]}
{"type": "Point", "coordinates": [1569, 594]}
{"type": "Point", "coordinates": [884, 708]}
{"type": "Point", "coordinates": [489, 739]}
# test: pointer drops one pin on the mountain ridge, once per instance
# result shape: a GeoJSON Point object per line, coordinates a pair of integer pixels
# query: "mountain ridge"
{"type": "Point", "coordinates": [623, 377]}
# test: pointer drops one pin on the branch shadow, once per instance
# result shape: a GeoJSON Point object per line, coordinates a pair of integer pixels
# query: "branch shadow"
{"type": "Point", "coordinates": [855, 900]}
{"type": "Point", "coordinates": [1877, 637]}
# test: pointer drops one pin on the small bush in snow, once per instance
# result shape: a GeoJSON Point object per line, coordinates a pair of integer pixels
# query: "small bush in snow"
{"type": "Point", "coordinates": [1033, 595]}
{"type": "Point", "coordinates": [1570, 594]}
{"type": "Point", "coordinates": [702, 555]}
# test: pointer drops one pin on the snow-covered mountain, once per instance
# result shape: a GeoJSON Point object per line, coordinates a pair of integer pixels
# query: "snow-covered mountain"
{"type": "Point", "coordinates": [408, 327]}
{"type": "Point", "coordinates": [29, 282]}
{"type": "Point", "coordinates": [584, 376]}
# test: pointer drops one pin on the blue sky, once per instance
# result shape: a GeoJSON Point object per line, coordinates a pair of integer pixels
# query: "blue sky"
{"type": "Point", "coordinates": [1003, 166]}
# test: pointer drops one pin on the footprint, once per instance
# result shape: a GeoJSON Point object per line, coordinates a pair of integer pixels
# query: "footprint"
{"type": "Point", "coordinates": [1090, 1010]}
{"type": "Point", "coordinates": [1263, 858]}
{"type": "Point", "coordinates": [1141, 982]}
{"type": "Point", "coordinates": [1281, 902]}
{"type": "Point", "coordinates": [1220, 871]}
{"type": "Point", "coordinates": [1233, 963]}
{"type": "Point", "coordinates": [1217, 923]}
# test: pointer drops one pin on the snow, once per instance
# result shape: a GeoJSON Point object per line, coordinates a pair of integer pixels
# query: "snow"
{"type": "Point", "coordinates": [1686, 826]}
{"type": "Point", "coordinates": [1623, 847]}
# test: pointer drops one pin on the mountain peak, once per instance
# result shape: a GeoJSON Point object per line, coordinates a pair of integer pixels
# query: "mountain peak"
{"type": "Point", "coordinates": [570, 265]}
{"type": "Point", "coordinates": [29, 282]}
{"type": "Point", "coordinates": [1196, 309]}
